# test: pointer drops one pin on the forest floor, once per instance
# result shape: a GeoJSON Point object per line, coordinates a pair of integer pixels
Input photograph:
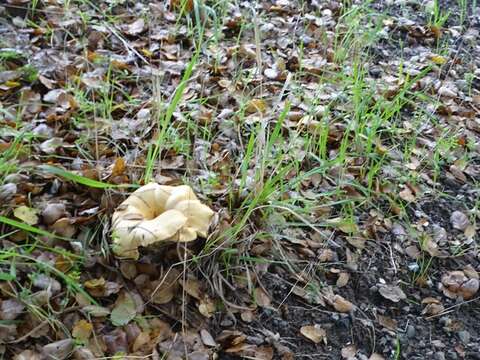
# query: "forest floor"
{"type": "Point", "coordinates": [337, 142]}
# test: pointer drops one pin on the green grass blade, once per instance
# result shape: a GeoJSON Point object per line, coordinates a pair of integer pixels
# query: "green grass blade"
{"type": "Point", "coordinates": [81, 179]}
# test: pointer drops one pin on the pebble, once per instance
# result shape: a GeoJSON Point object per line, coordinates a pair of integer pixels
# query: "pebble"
{"type": "Point", "coordinates": [411, 331]}
{"type": "Point", "coordinates": [452, 355]}
{"type": "Point", "coordinates": [464, 336]}
{"type": "Point", "coordinates": [440, 355]}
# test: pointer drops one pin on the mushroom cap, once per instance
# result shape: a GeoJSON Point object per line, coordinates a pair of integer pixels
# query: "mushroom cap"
{"type": "Point", "coordinates": [158, 213]}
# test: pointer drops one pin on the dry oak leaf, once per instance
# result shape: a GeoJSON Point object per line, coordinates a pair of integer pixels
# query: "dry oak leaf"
{"type": "Point", "coordinates": [158, 213]}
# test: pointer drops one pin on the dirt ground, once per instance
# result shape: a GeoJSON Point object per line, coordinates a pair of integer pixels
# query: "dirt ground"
{"type": "Point", "coordinates": [355, 242]}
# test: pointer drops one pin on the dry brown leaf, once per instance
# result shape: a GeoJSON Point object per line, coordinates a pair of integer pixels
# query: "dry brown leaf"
{"type": "Point", "coordinates": [314, 333]}
{"type": "Point", "coordinates": [387, 322]}
{"type": "Point", "coordinates": [341, 304]}
{"type": "Point", "coordinates": [64, 227]}
{"type": "Point", "coordinates": [261, 298]}
{"type": "Point", "coordinates": [206, 307]}
{"type": "Point", "coordinates": [119, 166]}
{"type": "Point", "coordinates": [192, 287]}
{"type": "Point", "coordinates": [142, 341]}
{"type": "Point", "coordinates": [407, 195]}
{"type": "Point", "coordinates": [343, 278]}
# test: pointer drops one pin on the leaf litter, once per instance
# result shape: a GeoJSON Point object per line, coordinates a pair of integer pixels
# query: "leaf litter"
{"type": "Point", "coordinates": [337, 143]}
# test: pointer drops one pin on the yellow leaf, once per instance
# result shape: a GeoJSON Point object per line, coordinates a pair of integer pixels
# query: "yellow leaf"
{"type": "Point", "coordinates": [82, 330]}
{"type": "Point", "coordinates": [26, 214]}
{"type": "Point", "coordinates": [256, 105]}
{"type": "Point", "coordinates": [147, 52]}
{"type": "Point", "coordinates": [438, 59]}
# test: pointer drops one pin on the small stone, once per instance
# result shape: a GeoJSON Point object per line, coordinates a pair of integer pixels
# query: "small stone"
{"type": "Point", "coordinates": [452, 355]}
{"type": "Point", "coordinates": [464, 336]}
{"type": "Point", "coordinates": [440, 355]}
{"type": "Point", "coordinates": [411, 331]}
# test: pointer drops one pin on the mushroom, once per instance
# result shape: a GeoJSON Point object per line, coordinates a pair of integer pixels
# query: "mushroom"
{"type": "Point", "coordinates": [158, 213]}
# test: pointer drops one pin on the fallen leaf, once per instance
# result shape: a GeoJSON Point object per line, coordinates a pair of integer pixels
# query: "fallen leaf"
{"type": "Point", "coordinates": [470, 232]}
{"type": "Point", "coordinates": [438, 59]}
{"type": "Point", "coordinates": [64, 227]}
{"type": "Point", "coordinates": [343, 278]}
{"type": "Point", "coordinates": [314, 333]}
{"type": "Point", "coordinates": [96, 311]}
{"type": "Point", "coordinates": [136, 27]}
{"type": "Point", "coordinates": [341, 304]}
{"type": "Point", "coordinates": [345, 226]}
{"type": "Point", "coordinates": [124, 310]}
{"type": "Point", "coordinates": [207, 307]}
{"type": "Point", "coordinates": [119, 167]}
{"type": "Point", "coordinates": [387, 322]}
{"type": "Point", "coordinates": [26, 214]}
{"type": "Point", "coordinates": [58, 350]}
{"type": "Point", "coordinates": [256, 105]}
{"type": "Point", "coordinates": [392, 293]}
{"type": "Point", "coordinates": [456, 284]}
{"type": "Point", "coordinates": [207, 338]}
{"type": "Point", "coordinates": [141, 340]}
{"type": "Point", "coordinates": [82, 330]}
{"type": "Point", "coordinates": [407, 195]}
{"type": "Point", "coordinates": [52, 212]}
{"type": "Point", "coordinates": [261, 298]}
{"type": "Point", "coordinates": [50, 146]}
{"type": "Point", "coordinates": [10, 309]}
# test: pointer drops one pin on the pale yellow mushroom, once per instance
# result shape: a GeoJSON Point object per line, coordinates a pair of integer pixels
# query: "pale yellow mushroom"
{"type": "Point", "coordinates": [157, 213]}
